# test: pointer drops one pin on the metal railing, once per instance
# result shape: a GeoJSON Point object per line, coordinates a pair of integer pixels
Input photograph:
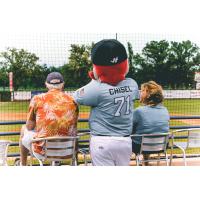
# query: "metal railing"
{"type": "Point", "coordinates": [184, 117]}
{"type": "Point", "coordinates": [87, 130]}
{"type": "Point", "coordinates": [18, 133]}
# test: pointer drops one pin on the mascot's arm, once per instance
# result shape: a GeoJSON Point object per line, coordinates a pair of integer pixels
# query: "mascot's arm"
{"type": "Point", "coordinates": [88, 94]}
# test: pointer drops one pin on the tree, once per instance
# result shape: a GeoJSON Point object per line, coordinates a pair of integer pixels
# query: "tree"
{"type": "Point", "coordinates": [183, 57]}
{"type": "Point", "coordinates": [3, 78]}
{"type": "Point", "coordinates": [145, 71]}
{"type": "Point", "coordinates": [79, 64]}
{"type": "Point", "coordinates": [132, 69]}
{"type": "Point", "coordinates": [21, 63]}
{"type": "Point", "coordinates": [170, 64]}
{"type": "Point", "coordinates": [156, 57]}
{"type": "Point", "coordinates": [38, 77]}
{"type": "Point", "coordinates": [67, 73]}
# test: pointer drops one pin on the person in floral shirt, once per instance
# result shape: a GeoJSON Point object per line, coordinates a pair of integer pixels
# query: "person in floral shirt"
{"type": "Point", "coordinates": [50, 114]}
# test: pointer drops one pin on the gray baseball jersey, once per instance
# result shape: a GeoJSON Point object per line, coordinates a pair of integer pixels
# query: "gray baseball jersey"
{"type": "Point", "coordinates": [111, 106]}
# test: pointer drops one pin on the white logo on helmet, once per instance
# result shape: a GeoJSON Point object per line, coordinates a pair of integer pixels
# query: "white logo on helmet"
{"type": "Point", "coordinates": [114, 60]}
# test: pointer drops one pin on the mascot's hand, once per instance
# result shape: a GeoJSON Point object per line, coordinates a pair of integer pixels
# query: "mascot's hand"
{"type": "Point", "coordinates": [91, 75]}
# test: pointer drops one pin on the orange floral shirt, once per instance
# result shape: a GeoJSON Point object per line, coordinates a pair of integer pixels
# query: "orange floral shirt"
{"type": "Point", "coordinates": [55, 114]}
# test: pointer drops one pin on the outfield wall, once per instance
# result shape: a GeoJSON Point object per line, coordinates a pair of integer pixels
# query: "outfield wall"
{"type": "Point", "coordinates": [181, 94]}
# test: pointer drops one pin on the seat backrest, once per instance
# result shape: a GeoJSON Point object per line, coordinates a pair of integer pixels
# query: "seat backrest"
{"type": "Point", "coordinates": [3, 151]}
{"type": "Point", "coordinates": [154, 142]}
{"type": "Point", "coordinates": [58, 149]}
{"type": "Point", "coordinates": [193, 138]}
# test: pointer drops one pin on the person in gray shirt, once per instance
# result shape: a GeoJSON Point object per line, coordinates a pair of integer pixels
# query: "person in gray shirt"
{"type": "Point", "coordinates": [111, 97]}
{"type": "Point", "coordinates": [152, 116]}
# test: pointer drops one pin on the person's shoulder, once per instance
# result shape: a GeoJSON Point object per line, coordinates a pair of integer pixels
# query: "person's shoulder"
{"type": "Point", "coordinates": [36, 99]}
{"type": "Point", "coordinates": [161, 106]}
{"type": "Point", "coordinates": [39, 96]}
{"type": "Point", "coordinates": [68, 96]}
{"type": "Point", "coordinates": [165, 109]}
{"type": "Point", "coordinates": [131, 81]}
{"type": "Point", "coordinates": [93, 83]}
{"type": "Point", "coordinates": [139, 109]}
{"type": "Point", "coordinates": [139, 112]}
{"type": "Point", "coordinates": [68, 93]}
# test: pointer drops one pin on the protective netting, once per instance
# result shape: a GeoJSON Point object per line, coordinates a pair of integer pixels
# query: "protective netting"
{"type": "Point", "coordinates": [53, 49]}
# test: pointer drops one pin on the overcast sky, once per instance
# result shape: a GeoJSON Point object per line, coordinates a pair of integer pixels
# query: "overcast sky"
{"type": "Point", "coordinates": [48, 28]}
{"type": "Point", "coordinates": [53, 48]}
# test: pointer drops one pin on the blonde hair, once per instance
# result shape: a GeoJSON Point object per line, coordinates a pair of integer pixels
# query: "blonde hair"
{"type": "Point", "coordinates": [154, 93]}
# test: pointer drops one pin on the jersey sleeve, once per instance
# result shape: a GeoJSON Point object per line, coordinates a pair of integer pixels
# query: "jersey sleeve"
{"type": "Point", "coordinates": [87, 95]}
{"type": "Point", "coordinates": [134, 87]}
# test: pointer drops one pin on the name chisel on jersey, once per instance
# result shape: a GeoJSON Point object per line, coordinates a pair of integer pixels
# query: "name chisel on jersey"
{"type": "Point", "coordinates": [118, 90]}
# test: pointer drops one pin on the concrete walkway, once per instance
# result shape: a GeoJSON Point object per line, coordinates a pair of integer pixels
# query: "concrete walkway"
{"type": "Point", "coordinates": [175, 162]}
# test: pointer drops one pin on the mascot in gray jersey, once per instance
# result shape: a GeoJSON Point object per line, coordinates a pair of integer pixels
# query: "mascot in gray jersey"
{"type": "Point", "coordinates": [111, 97]}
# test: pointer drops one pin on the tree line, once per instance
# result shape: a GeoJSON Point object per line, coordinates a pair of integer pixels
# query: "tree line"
{"type": "Point", "coordinates": [172, 64]}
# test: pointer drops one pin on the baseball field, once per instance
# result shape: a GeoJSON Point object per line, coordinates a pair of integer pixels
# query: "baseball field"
{"type": "Point", "coordinates": [15, 111]}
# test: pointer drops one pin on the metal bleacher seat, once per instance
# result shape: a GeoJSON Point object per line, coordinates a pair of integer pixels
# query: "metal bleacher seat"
{"type": "Point", "coordinates": [185, 139]}
{"type": "Point", "coordinates": [153, 144]}
{"type": "Point", "coordinates": [3, 152]}
{"type": "Point", "coordinates": [57, 149]}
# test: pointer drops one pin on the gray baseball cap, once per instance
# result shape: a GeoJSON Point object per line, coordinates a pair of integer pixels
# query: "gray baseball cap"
{"type": "Point", "coordinates": [54, 78]}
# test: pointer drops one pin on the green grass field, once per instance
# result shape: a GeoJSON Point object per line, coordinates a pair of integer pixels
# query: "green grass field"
{"type": "Point", "coordinates": [175, 107]}
{"type": "Point", "coordinates": [178, 106]}
{"type": "Point", "coordinates": [183, 106]}
{"type": "Point", "coordinates": [12, 107]}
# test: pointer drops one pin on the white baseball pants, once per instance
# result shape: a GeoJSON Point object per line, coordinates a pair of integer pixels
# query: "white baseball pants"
{"type": "Point", "coordinates": [110, 151]}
